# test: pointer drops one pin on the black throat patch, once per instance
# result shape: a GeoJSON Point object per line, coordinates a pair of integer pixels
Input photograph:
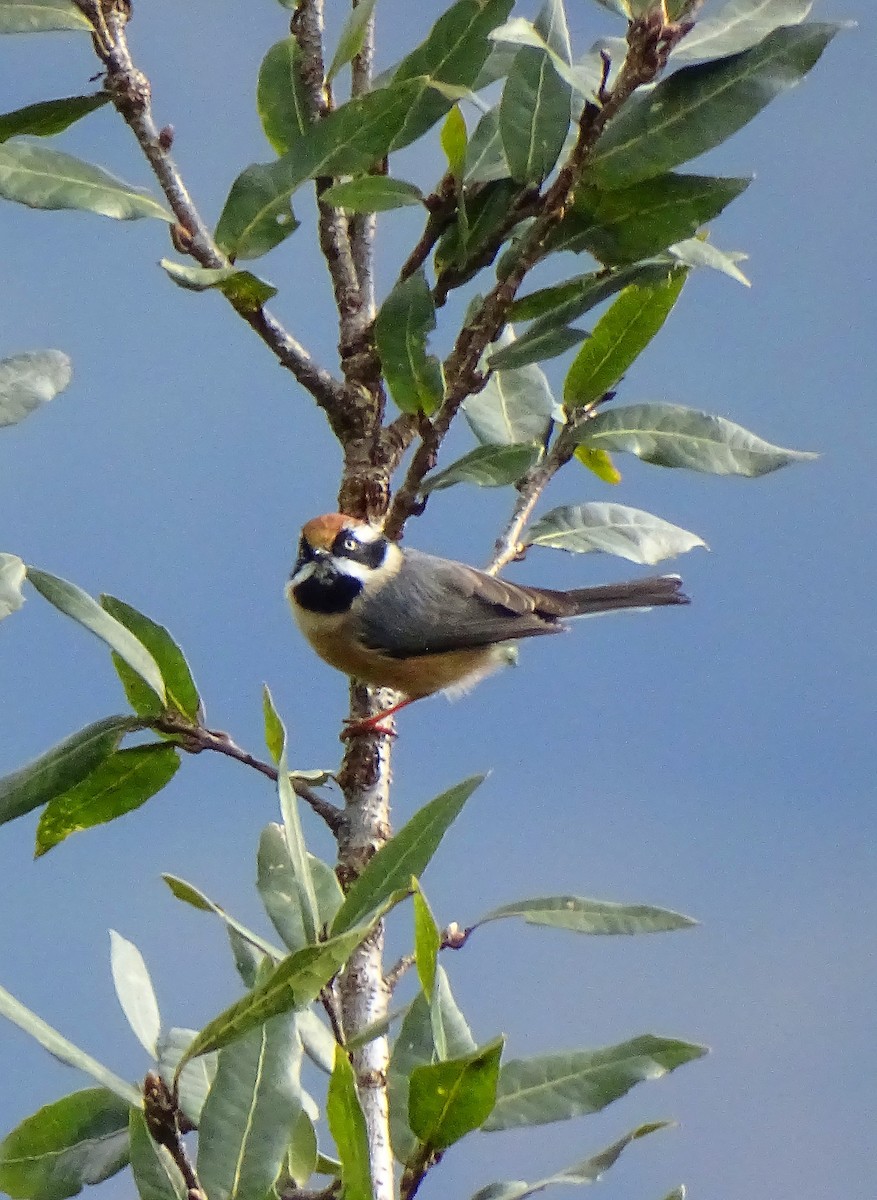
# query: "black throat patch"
{"type": "Point", "coordinates": [328, 593]}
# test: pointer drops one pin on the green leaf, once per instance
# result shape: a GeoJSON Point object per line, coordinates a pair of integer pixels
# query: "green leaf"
{"type": "Point", "coordinates": [407, 317]}
{"type": "Point", "coordinates": [372, 193]}
{"type": "Point", "coordinates": [406, 854]}
{"type": "Point", "coordinates": [275, 732]}
{"type": "Point", "coordinates": [589, 1170]}
{"type": "Point", "coordinates": [669, 435]}
{"type": "Point", "coordinates": [738, 26]}
{"type": "Point", "coordinates": [248, 959]}
{"type": "Point", "coordinates": [481, 220]}
{"type": "Point", "coordinates": [618, 339]}
{"type": "Point", "coordinates": [352, 37]}
{"type": "Point", "coordinates": [292, 984]}
{"type": "Point", "coordinates": [317, 1039]}
{"type": "Point", "coordinates": [555, 1087]}
{"type": "Point", "coordinates": [13, 573]}
{"type": "Point", "coordinates": [298, 851]}
{"type": "Point", "coordinates": [257, 214]}
{"type": "Point", "coordinates": [135, 992]}
{"type": "Point", "coordinates": [565, 302]}
{"type": "Point", "coordinates": [189, 894]}
{"type": "Point", "coordinates": [534, 112]}
{"type": "Point", "coordinates": [41, 16]}
{"type": "Point", "coordinates": [30, 380]}
{"type": "Point", "coordinates": [303, 1153]}
{"type": "Point", "coordinates": [486, 466]}
{"type": "Point", "coordinates": [449, 1099]}
{"type": "Point", "coordinates": [249, 1113]}
{"type": "Point", "coordinates": [581, 915]}
{"type": "Point", "coordinates": [182, 693]}
{"type": "Point", "coordinates": [514, 406]}
{"type": "Point", "coordinates": [348, 1129]}
{"type": "Point", "coordinates": [62, 767]}
{"type": "Point", "coordinates": [245, 290]}
{"type": "Point", "coordinates": [600, 463]}
{"type": "Point", "coordinates": [195, 1080]}
{"type": "Point", "coordinates": [280, 892]}
{"type": "Point", "coordinates": [427, 943]}
{"type": "Point", "coordinates": [454, 53]}
{"type": "Point", "coordinates": [698, 107]}
{"type": "Point", "coordinates": [636, 222]}
{"type": "Point", "coordinates": [281, 96]}
{"type": "Point", "coordinates": [156, 1175]}
{"type": "Point", "coordinates": [485, 157]}
{"type": "Point", "coordinates": [122, 782]}
{"type": "Point", "coordinates": [56, 1044]}
{"type": "Point", "coordinates": [537, 346]}
{"type": "Point", "coordinates": [77, 604]}
{"type": "Point", "coordinates": [454, 139]}
{"type": "Point", "coordinates": [49, 116]}
{"type": "Point", "coordinates": [44, 178]}
{"type": "Point", "coordinates": [79, 1140]}
{"type": "Point", "coordinates": [615, 529]}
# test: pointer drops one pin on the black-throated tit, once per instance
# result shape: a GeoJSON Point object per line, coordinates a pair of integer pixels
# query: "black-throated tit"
{"type": "Point", "coordinates": [420, 624]}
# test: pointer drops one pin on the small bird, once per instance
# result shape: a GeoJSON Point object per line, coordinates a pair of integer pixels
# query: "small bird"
{"type": "Point", "coordinates": [420, 624]}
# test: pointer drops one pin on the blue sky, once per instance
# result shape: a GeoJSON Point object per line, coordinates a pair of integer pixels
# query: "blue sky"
{"type": "Point", "coordinates": [716, 760]}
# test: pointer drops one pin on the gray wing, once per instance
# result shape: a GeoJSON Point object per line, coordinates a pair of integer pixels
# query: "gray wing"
{"type": "Point", "coordinates": [433, 605]}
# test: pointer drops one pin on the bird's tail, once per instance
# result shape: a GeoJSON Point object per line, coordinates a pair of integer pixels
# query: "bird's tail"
{"type": "Point", "coordinates": [636, 593]}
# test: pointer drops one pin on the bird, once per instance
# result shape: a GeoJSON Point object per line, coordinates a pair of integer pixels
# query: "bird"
{"type": "Point", "coordinates": [403, 619]}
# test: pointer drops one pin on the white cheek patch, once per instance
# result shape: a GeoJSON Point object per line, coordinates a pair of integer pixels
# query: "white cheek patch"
{"type": "Point", "coordinates": [354, 570]}
{"type": "Point", "coordinates": [303, 573]}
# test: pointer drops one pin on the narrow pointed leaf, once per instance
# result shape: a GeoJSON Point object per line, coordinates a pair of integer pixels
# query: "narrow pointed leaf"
{"type": "Point", "coordinates": [347, 1126]}
{"type": "Point", "coordinates": [281, 96]}
{"type": "Point", "coordinates": [449, 1099]}
{"type": "Point", "coordinates": [303, 1153]}
{"type": "Point", "coordinates": [485, 157]}
{"type": "Point", "coordinates": [403, 325]}
{"type": "Point", "coordinates": [246, 290]}
{"type": "Point", "coordinates": [13, 573]}
{"type": "Point", "coordinates": [27, 381]}
{"type": "Point", "coordinates": [49, 116]}
{"type": "Point", "coordinates": [79, 1140]}
{"type": "Point", "coordinates": [565, 302]}
{"type": "Point", "coordinates": [275, 732]}
{"type": "Point", "coordinates": [590, 1170]}
{"type": "Point", "coordinates": [633, 223]}
{"type": "Point", "coordinates": [738, 26]}
{"type": "Point", "coordinates": [13, 1010]}
{"type": "Point", "coordinates": [298, 851]}
{"type": "Point", "coordinates": [581, 915]}
{"type": "Point", "coordinates": [352, 37]}
{"type": "Point", "coordinates": [41, 16]}
{"type": "Point", "coordinates": [74, 602]}
{"type": "Point", "coordinates": [486, 466]}
{"type": "Point", "coordinates": [62, 767]}
{"type": "Point", "coordinates": [250, 1110]}
{"type": "Point", "coordinates": [534, 115]}
{"type": "Point", "coordinates": [427, 943]}
{"type": "Point", "coordinates": [191, 895]}
{"type": "Point", "coordinates": [281, 895]}
{"type": "Point", "coordinates": [292, 984]}
{"type": "Point", "coordinates": [135, 992]}
{"type": "Point", "coordinates": [629, 533]}
{"type": "Point", "coordinates": [194, 1081]}
{"type": "Point", "coordinates": [555, 1087]}
{"type": "Point", "coordinates": [454, 139]}
{"type": "Point", "coordinates": [515, 406]}
{"type": "Point", "coordinates": [669, 435]}
{"type": "Point", "coordinates": [373, 193]}
{"type": "Point", "coordinates": [317, 1040]}
{"type": "Point", "coordinates": [248, 959]}
{"type": "Point", "coordinates": [537, 346]}
{"type": "Point", "coordinates": [182, 693]}
{"type": "Point", "coordinates": [700, 106]}
{"type": "Point", "coordinates": [618, 339]}
{"type": "Point", "coordinates": [408, 853]}
{"type": "Point", "coordinates": [600, 463]}
{"type": "Point", "coordinates": [121, 784]}
{"type": "Point", "coordinates": [693, 252]}
{"type": "Point", "coordinates": [156, 1175]}
{"type": "Point", "coordinates": [41, 177]}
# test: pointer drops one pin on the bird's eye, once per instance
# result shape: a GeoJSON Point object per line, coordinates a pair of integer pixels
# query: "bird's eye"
{"type": "Point", "coordinates": [350, 544]}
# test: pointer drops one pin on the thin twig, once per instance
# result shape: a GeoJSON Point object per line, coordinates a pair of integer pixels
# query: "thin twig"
{"type": "Point", "coordinates": [162, 1117]}
{"type": "Point", "coordinates": [130, 92]}
{"type": "Point", "coordinates": [362, 227]}
{"type": "Point", "coordinates": [195, 738]}
{"type": "Point", "coordinates": [649, 43]}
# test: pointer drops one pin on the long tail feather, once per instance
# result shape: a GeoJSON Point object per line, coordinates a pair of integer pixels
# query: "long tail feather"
{"type": "Point", "coordinates": [636, 593]}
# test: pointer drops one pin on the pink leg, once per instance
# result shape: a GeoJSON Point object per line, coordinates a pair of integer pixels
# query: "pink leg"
{"type": "Point", "coordinates": [374, 724]}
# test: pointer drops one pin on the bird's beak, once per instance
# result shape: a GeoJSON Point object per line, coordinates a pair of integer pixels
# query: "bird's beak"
{"type": "Point", "coordinates": [311, 557]}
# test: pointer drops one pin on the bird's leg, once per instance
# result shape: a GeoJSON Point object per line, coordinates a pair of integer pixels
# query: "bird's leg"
{"type": "Point", "coordinates": [374, 724]}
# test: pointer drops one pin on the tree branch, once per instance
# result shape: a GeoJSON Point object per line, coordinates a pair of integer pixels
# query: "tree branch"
{"type": "Point", "coordinates": [649, 43]}
{"type": "Point", "coordinates": [130, 92]}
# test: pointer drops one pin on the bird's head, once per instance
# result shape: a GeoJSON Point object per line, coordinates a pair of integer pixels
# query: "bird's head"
{"type": "Point", "coordinates": [338, 557]}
